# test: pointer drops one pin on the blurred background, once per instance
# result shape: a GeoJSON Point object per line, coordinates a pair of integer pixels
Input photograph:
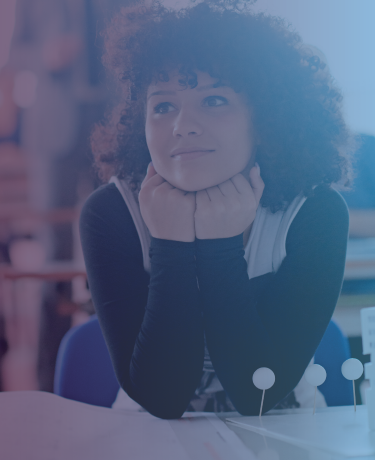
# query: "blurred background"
{"type": "Point", "coordinates": [53, 89]}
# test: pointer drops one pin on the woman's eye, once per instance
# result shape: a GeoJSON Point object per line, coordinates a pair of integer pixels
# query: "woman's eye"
{"type": "Point", "coordinates": [215, 101]}
{"type": "Point", "coordinates": [163, 107]}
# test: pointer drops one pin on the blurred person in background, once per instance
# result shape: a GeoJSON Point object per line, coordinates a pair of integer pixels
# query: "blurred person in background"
{"type": "Point", "coordinates": [60, 86]}
{"type": "Point", "coordinates": [361, 199]}
{"type": "Point", "coordinates": [10, 156]}
{"type": "Point", "coordinates": [361, 202]}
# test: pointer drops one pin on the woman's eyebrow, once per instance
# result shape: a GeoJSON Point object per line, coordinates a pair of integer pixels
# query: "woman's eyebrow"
{"type": "Point", "coordinates": [214, 85]}
{"type": "Point", "coordinates": [161, 93]}
{"type": "Point", "coordinates": [169, 93]}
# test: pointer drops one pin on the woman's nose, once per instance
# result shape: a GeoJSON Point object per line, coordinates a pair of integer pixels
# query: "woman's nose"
{"type": "Point", "coordinates": [187, 124]}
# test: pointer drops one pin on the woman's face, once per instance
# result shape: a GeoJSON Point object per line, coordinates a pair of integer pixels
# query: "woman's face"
{"type": "Point", "coordinates": [198, 137]}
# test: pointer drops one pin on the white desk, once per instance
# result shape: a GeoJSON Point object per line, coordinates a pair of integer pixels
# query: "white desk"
{"type": "Point", "coordinates": [332, 433]}
{"type": "Point", "coordinates": [43, 426]}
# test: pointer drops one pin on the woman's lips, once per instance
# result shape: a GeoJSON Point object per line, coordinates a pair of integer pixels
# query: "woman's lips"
{"type": "Point", "coordinates": [191, 155]}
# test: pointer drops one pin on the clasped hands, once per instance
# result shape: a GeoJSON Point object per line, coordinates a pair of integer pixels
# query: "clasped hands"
{"type": "Point", "coordinates": [221, 211]}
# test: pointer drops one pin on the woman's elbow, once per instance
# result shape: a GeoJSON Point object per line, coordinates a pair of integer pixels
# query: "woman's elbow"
{"type": "Point", "coordinates": [167, 413]}
{"type": "Point", "coordinates": [163, 408]}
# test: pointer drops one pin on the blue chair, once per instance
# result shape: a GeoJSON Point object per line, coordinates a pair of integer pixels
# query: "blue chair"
{"type": "Point", "coordinates": [84, 369]}
{"type": "Point", "coordinates": [332, 351]}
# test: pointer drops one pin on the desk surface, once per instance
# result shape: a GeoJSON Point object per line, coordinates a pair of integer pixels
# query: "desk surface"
{"type": "Point", "coordinates": [43, 426]}
{"type": "Point", "coordinates": [339, 432]}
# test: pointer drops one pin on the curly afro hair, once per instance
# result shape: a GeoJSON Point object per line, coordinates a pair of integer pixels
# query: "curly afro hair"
{"type": "Point", "coordinates": [297, 115]}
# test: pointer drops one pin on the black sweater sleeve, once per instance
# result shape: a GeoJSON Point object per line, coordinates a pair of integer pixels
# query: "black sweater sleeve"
{"type": "Point", "coordinates": [155, 335]}
{"type": "Point", "coordinates": [276, 320]}
{"type": "Point", "coordinates": [153, 325]}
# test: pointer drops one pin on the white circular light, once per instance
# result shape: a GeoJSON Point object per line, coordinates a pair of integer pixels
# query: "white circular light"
{"type": "Point", "coordinates": [352, 369]}
{"type": "Point", "coordinates": [315, 375]}
{"type": "Point", "coordinates": [263, 378]}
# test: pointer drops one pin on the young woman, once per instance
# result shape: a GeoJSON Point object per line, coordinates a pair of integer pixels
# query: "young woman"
{"type": "Point", "coordinates": [227, 252]}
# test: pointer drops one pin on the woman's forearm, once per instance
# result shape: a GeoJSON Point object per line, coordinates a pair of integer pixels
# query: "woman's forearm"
{"type": "Point", "coordinates": [238, 339]}
{"type": "Point", "coordinates": [276, 320]}
{"type": "Point", "coordinates": [154, 334]}
{"type": "Point", "coordinates": [167, 361]}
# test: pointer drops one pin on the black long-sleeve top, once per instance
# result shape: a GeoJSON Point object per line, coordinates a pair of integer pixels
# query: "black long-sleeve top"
{"type": "Point", "coordinates": [154, 325]}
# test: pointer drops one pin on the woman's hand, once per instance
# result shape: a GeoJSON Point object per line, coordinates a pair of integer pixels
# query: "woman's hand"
{"type": "Point", "coordinates": [167, 211]}
{"type": "Point", "coordinates": [229, 208]}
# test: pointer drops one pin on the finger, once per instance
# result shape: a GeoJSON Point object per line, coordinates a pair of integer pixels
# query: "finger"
{"type": "Point", "coordinates": [189, 194]}
{"type": "Point", "coordinates": [241, 184]}
{"type": "Point", "coordinates": [214, 193]}
{"type": "Point", "coordinates": [202, 198]}
{"type": "Point", "coordinates": [148, 175]}
{"type": "Point", "coordinates": [152, 178]}
{"type": "Point", "coordinates": [166, 186]}
{"type": "Point", "coordinates": [256, 182]}
{"type": "Point", "coordinates": [228, 188]}
{"type": "Point", "coordinates": [150, 172]}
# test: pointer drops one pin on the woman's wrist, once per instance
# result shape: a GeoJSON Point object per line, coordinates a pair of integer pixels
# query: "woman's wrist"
{"type": "Point", "coordinates": [172, 252]}
{"type": "Point", "coordinates": [217, 245]}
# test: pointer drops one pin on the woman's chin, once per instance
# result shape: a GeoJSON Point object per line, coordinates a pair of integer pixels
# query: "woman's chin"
{"type": "Point", "coordinates": [199, 187]}
{"type": "Point", "coordinates": [191, 187]}
{"type": "Point", "coordinates": [195, 185]}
